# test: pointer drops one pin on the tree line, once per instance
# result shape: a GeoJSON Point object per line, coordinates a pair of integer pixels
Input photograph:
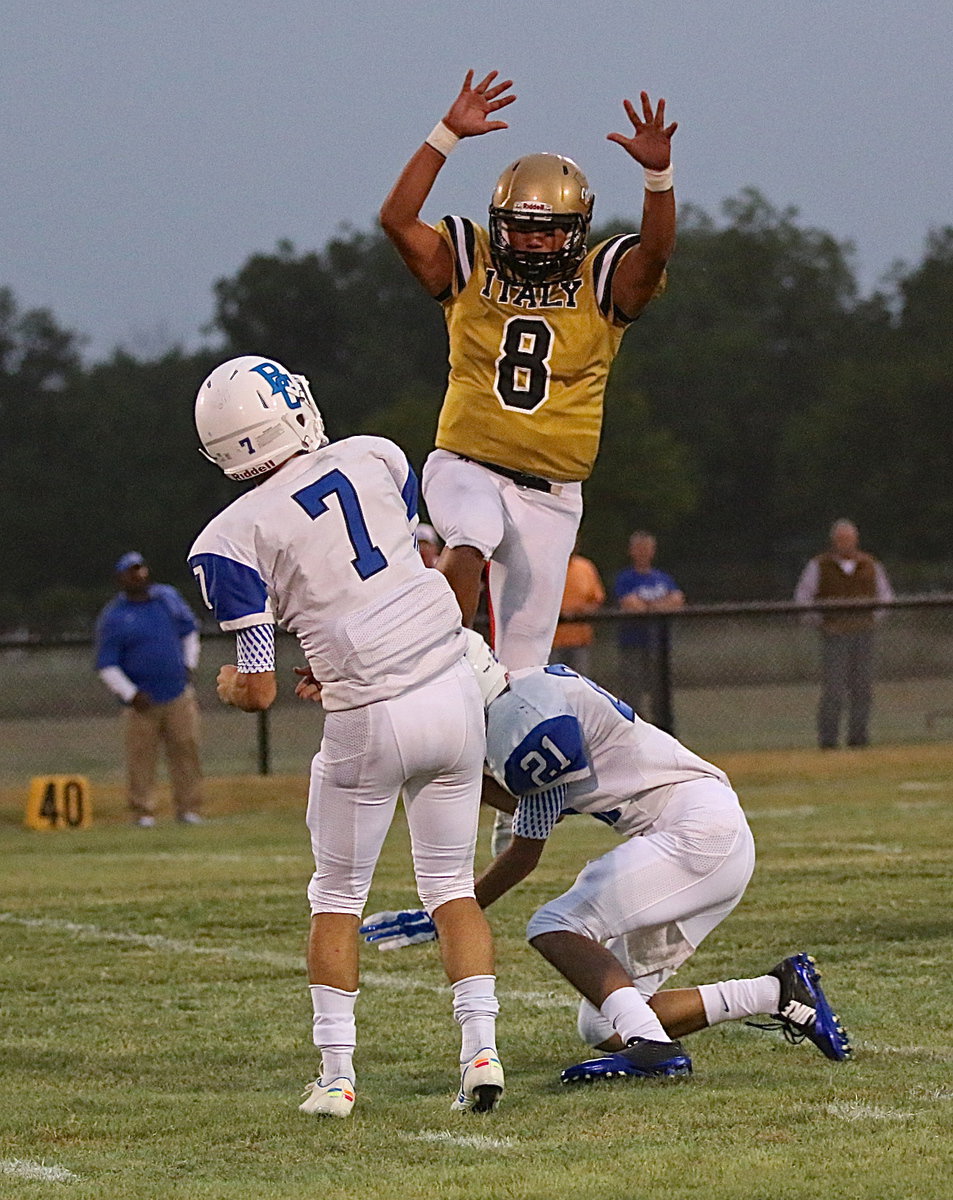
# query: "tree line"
{"type": "Point", "coordinates": [758, 399]}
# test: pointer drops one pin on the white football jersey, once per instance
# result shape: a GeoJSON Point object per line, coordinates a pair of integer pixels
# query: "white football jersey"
{"type": "Point", "coordinates": [562, 744]}
{"type": "Point", "coordinates": [324, 547]}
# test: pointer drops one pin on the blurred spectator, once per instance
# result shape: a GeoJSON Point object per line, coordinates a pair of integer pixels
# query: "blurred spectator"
{"type": "Point", "coordinates": [844, 572]}
{"type": "Point", "coordinates": [428, 544]}
{"type": "Point", "coordinates": [583, 593]}
{"type": "Point", "coordinates": [147, 645]}
{"type": "Point", "coordinates": [642, 588]}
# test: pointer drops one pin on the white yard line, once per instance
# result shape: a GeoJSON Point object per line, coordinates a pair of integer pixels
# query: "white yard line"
{"type": "Point", "coordinates": [290, 962]}
{"type": "Point", "coordinates": [848, 1110]}
{"type": "Point", "coordinates": [475, 1141]}
{"type": "Point", "coordinates": [905, 1051]}
{"type": "Point", "coordinates": [860, 847]}
{"type": "Point", "coordinates": [25, 1168]}
{"type": "Point", "coordinates": [152, 941]}
{"type": "Point", "coordinates": [800, 810]}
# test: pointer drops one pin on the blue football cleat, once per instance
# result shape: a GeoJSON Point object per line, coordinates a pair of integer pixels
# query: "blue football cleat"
{"type": "Point", "coordinates": [641, 1058]}
{"type": "Point", "coordinates": [803, 1010]}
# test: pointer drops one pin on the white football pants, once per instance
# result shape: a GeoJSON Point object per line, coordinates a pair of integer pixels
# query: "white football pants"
{"type": "Point", "coordinates": [653, 899]}
{"type": "Point", "coordinates": [428, 743]}
{"type": "Point", "coordinates": [528, 537]}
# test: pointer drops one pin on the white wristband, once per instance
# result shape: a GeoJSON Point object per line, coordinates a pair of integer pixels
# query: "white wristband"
{"type": "Point", "coordinates": [441, 139]}
{"type": "Point", "coordinates": [659, 181]}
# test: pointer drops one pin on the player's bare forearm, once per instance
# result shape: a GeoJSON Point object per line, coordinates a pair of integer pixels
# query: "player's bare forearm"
{"type": "Point", "coordinates": [420, 246]}
{"type": "Point", "coordinates": [657, 233]}
{"type": "Point", "coordinates": [401, 210]}
{"type": "Point", "coordinates": [497, 797]}
{"type": "Point", "coordinates": [250, 693]}
{"type": "Point", "coordinates": [640, 271]}
{"type": "Point", "coordinates": [508, 869]}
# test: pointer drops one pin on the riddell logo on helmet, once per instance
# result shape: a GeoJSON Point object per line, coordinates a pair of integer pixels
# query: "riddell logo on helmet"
{"type": "Point", "coordinates": [532, 206]}
{"type": "Point", "coordinates": [257, 470]}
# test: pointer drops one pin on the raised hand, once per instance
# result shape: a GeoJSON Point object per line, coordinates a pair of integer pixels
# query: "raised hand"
{"type": "Point", "coordinates": [651, 144]}
{"type": "Point", "coordinates": [468, 115]}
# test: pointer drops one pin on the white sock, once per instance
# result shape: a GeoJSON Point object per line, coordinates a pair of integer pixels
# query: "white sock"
{"type": "Point", "coordinates": [631, 1016]}
{"type": "Point", "coordinates": [475, 1007]}
{"type": "Point", "coordinates": [737, 998]}
{"type": "Point", "coordinates": [333, 1030]}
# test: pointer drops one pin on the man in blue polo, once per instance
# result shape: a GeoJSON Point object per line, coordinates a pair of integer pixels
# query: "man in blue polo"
{"type": "Point", "coordinates": [643, 588]}
{"type": "Point", "coordinates": [147, 645]}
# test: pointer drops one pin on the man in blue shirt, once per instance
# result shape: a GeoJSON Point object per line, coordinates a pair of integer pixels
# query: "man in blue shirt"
{"type": "Point", "coordinates": [147, 645]}
{"type": "Point", "coordinates": [642, 588]}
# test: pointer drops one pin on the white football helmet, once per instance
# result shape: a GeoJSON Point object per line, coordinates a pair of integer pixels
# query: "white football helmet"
{"type": "Point", "coordinates": [252, 415]}
{"type": "Point", "coordinates": [490, 673]}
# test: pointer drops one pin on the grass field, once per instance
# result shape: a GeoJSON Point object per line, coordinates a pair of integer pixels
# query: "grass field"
{"type": "Point", "coordinates": [155, 1022]}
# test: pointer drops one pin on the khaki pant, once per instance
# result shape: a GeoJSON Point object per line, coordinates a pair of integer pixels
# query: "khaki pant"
{"type": "Point", "coordinates": [177, 725]}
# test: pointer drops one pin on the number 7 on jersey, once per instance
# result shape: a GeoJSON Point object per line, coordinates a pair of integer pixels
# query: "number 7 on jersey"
{"type": "Point", "coordinates": [368, 559]}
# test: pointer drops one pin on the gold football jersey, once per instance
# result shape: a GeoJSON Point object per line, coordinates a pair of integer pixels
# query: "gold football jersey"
{"type": "Point", "coordinates": [528, 363]}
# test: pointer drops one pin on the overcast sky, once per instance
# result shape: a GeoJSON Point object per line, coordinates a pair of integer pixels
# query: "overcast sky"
{"type": "Point", "coordinates": [152, 145]}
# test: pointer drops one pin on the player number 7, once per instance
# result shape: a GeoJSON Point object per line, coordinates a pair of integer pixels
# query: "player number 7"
{"type": "Point", "coordinates": [368, 559]}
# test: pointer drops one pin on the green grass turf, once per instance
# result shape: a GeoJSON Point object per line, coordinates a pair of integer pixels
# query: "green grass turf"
{"type": "Point", "coordinates": [155, 1021]}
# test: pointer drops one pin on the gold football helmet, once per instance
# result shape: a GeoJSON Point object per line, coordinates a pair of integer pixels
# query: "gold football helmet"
{"type": "Point", "coordinates": [540, 192]}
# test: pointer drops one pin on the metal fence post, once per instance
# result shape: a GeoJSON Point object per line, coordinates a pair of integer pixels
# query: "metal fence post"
{"type": "Point", "coordinates": [664, 709]}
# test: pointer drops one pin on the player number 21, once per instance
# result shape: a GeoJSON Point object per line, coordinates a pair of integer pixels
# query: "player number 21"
{"type": "Point", "coordinates": [368, 559]}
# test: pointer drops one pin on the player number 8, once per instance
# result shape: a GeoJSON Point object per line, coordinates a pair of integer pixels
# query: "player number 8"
{"type": "Point", "coordinates": [522, 369]}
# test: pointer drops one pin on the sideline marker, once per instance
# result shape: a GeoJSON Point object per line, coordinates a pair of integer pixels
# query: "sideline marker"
{"type": "Point", "coordinates": [58, 802]}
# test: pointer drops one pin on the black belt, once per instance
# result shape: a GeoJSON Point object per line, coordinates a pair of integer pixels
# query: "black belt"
{"type": "Point", "coordinates": [537, 482]}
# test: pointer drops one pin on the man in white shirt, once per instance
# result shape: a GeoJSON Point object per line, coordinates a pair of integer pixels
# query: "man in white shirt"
{"type": "Point", "coordinates": [323, 546]}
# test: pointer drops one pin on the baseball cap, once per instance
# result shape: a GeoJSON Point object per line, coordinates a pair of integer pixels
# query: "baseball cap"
{"type": "Point", "coordinates": [132, 558]}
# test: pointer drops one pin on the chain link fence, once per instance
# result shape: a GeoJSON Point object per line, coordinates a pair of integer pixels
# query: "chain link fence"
{"type": "Point", "coordinates": [731, 677]}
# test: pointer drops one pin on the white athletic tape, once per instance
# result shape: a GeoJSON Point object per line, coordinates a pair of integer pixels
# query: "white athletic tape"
{"type": "Point", "coordinates": [25, 1168]}
{"type": "Point", "coordinates": [290, 962]}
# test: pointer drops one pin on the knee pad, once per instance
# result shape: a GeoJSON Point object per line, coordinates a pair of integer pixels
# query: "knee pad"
{"type": "Point", "coordinates": [432, 898]}
{"type": "Point", "coordinates": [324, 898]}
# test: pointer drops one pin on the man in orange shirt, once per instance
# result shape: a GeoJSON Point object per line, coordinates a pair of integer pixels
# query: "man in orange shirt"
{"type": "Point", "coordinates": [583, 593]}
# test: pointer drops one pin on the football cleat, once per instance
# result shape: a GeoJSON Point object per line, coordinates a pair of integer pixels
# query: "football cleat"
{"type": "Point", "coordinates": [803, 1010]}
{"type": "Point", "coordinates": [334, 1099]}
{"type": "Point", "coordinates": [641, 1058]}
{"type": "Point", "coordinates": [481, 1083]}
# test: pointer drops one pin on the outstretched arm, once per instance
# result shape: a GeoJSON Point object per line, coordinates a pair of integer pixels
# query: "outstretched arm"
{"type": "Point", "coordinates": [419, 245]}
{"type": "Point", "coordinates": [508, 869]}
{"type": "Point", "coordinates": [640, 271]}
